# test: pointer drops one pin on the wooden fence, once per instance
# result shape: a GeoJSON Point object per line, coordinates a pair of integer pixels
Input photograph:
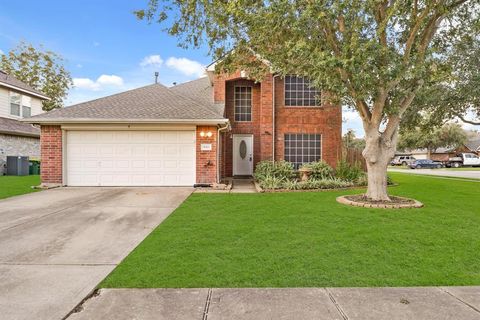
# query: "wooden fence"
{"type": "Point", "coordinates": [354, 157]}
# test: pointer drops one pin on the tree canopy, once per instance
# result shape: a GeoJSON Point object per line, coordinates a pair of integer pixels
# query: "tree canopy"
{"type": "Point", "coordinates": [372, 55]}
{"type": "Point", "coordinates": [448, 136]}
{"type": "Point", "coordinates": [41, 69]}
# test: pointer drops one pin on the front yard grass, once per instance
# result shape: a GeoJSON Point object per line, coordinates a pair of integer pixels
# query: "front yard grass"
{"type": "Point", "coordinates": [306, 239]}
{"type": "Point", "coordinates": [16, 185]}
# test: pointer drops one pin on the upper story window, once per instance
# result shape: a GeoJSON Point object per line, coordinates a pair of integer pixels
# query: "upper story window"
{"type": "Point", "coordinates": [15, 103]}
{"type": "Point", "coordinates": [20, 105]}
{"type": "Point", "coordinates": [243, 103]}
{"type": "Point", "coordinates": [300, 93]}
{"type": "Point", "coordinates": [26, 106]}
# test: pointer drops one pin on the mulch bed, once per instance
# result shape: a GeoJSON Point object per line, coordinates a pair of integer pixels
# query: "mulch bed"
{"type": "Point", "coordinates": [359, 200]}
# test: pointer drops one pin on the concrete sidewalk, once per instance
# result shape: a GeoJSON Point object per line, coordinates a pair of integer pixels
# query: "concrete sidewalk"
{"type": "Point", "coordinates": [289, 303]}
{"type": "Point", "coordinates": [440, 173]}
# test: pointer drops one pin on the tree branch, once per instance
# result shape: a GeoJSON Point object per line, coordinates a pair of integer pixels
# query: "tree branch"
{"type": "Point", "coordinates": [463, 119]}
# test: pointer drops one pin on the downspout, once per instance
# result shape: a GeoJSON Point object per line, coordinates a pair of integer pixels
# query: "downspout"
{"type": "Point", "coordinates": [220, 129]}
{"type": "Point", "coordinates": [273, 117]}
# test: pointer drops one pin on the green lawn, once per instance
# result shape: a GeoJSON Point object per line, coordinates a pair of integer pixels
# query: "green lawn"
{"type": "Point", "coordinates": [13, 186]}
{"type": "Point", "coordinates": [308, 240]}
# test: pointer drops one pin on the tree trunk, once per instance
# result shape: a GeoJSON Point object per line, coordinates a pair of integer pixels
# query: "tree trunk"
{"type": "Point", "coordinates": [377, 154]}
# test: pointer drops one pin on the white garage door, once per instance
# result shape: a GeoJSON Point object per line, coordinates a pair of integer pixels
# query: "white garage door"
{"type": "Point", "coordinates": [130, 158]}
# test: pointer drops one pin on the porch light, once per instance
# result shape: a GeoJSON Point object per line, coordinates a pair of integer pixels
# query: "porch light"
{"type": "Point", "coordinates": [207, 134]}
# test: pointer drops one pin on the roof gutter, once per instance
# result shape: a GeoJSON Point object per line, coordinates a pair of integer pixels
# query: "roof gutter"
{"type": "Point", "coordinates": [45, 121]}
{"type": "Point", "coordinates": [21, 134]}
{"type": "Point", "coordinates": [38, 95]}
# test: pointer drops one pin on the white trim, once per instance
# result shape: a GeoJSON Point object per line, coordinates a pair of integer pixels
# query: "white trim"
{"type": "Point", "coordinates": [24, 90]}
{"type": "Point", "coordinates": [128, 121]}
{"type": "Point", "coordinates": [129, 127]}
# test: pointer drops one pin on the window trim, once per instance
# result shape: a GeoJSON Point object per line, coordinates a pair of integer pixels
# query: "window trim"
{"type": "Point", "coordinates": [319, 105]}
{"type": "Point", "coordinates": [11, 93]}
{"type": "Point", "coordinates": [302, 133]}
{"type": "Point", "coordinates": [235, 103]}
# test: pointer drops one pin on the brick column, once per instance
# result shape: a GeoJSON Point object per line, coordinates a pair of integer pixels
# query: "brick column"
{"type": "Point", "coordinates": [266, 118]}
{"type": "Point", "coordinates": [207, 159]}
{"type": "Point", "coordinates": [51, 154]}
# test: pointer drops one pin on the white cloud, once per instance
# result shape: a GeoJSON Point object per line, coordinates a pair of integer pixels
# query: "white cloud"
{"type": "Point", "coordinates": [79, 65]}
{"type": "Point", "coordinates": [153, 60]}
{"type": "Point", "coordinates": [96, 44]}
{"type": "Point", "coordinates": [103, 81]}
{"type": "Point", "coordinates": [1, 52]}
{"type": "Point", "coordinates": [186, 66]}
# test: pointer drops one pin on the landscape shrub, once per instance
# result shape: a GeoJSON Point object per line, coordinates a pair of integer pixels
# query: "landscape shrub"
{"type": "Point", "coordinates": [272, 183]}
{"type": "Point", "coordinates": [346, 171]}
{"type": "Point", "coordinates": [319, 170]}
{"type": "Point", "coordinates": [279, 169]}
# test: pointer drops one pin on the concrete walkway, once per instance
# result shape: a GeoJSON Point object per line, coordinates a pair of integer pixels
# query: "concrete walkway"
{"type": "Point", "coordinates": [57, 245]}
{"type": "Point", "coordinates": [243, 186]}
{"type": "Point", "coordinates": [436, 303]}
{"type": "Point", "coordinates": [441, 172]}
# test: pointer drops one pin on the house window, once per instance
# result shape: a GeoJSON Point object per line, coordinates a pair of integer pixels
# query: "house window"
{"type": "Point", "coordinates": [300, 93]}
{"type": "Point", "coordinates": [302, 148]}
{"type": "Point", "coordinates": [243, 103]}
{"type": "Point", "coordinates": [26, 106]}
{"type": "Point", "coordinates": [15, 101]}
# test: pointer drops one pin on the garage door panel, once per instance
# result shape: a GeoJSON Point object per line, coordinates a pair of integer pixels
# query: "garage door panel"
{"type": "Point", "coordinates": [122, 158]}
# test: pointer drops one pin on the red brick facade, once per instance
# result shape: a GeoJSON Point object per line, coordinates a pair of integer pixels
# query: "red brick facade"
{"type": "Point", "coordinates": [325, 120]}
{"type": "Point", "coordinates": [51, 152]}
{"type": "Point", "coordinates": [207, 159]}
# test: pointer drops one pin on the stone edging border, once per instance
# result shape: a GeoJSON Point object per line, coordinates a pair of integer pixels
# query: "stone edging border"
{"type": "Point", "coordinates": [416, 204]}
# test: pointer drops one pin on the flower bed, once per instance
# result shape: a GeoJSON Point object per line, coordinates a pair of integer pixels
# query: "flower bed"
{"type": "Point", "coordinates": [281, 176]}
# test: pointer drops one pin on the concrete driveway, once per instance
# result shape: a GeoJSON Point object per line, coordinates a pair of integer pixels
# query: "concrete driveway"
{"type": "Point", "coordinates": [57, 245]}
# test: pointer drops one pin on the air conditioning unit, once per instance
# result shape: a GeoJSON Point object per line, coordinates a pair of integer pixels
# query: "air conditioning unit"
{"type": "Point", "coordinates": [17, 166]}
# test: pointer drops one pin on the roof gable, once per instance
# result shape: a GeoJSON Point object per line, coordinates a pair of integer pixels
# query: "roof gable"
{"type": "Point", "coordinates": [9, 81]}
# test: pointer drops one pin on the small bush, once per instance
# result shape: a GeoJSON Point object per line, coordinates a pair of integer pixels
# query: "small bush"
{"type": "Point", "coordinates": [279, 169]}
{"type": "Point", "coordinates": [319, 170]}
{"type": "Point", "coordinates": [272, 183]}
{"type": "Point", "coordinates": [346, 171]}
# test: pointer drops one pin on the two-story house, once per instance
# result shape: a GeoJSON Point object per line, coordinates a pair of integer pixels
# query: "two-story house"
{"type": "Point", "coordinates": [18, 101]}
{"type": "Point", "coordinates": [193, 133]}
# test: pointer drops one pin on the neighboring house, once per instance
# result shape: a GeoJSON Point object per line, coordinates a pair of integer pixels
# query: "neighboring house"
{"type": "Point", "coordinates": [442, 154]}
{"type": "Point", "coordinates": [473, 145]}
{"type": "Point", "coordinates": [18, 101]}
{"type": "Point", "coordinates": [193, 133]}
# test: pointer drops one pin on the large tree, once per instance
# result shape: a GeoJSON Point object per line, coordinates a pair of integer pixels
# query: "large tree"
{"type": "Point", "coordinates": [373, 55]}
{"type": "Point", "coordinates": [41, 69]}
{"type": "Point", "coordinates": [455, 92]}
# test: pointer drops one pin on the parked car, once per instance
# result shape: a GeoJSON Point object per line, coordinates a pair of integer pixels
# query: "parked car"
{"type": "Point", "coordinates": [463, 159]}
{"type": "Point", "coordinates": [402, 160]}
{"type": "Point", "coordinates": [427, 163]}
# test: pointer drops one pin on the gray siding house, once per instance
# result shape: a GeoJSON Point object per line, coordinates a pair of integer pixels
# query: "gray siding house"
{"type": "Point", "coordinates": [18, 101]}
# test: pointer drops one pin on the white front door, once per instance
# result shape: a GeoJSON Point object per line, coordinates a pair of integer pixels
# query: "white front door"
{"type": "Point", "coordinates": [242, 154]}
{"type": "Point", "coordinates": [130, 158]}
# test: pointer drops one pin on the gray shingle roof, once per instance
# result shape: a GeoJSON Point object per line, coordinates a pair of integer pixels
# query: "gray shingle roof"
{"type": "Point", "coordinates": [473, 145]}
{"type": "Point", "coordinates": [9, 80]}
{"type": "Point", "coordinates": [153, 102]}
{"type": "Point", "coordinates": [15, 127]}
{"type": "Point", "coordinates": [200, 90]}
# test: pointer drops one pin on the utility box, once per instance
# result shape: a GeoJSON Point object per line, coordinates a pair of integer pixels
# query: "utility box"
{"type": "Point", "coordinates": [17, 166]}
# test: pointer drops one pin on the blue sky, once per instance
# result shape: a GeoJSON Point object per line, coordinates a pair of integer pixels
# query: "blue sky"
{"type": "Point", "coordinates": [107, 50]}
